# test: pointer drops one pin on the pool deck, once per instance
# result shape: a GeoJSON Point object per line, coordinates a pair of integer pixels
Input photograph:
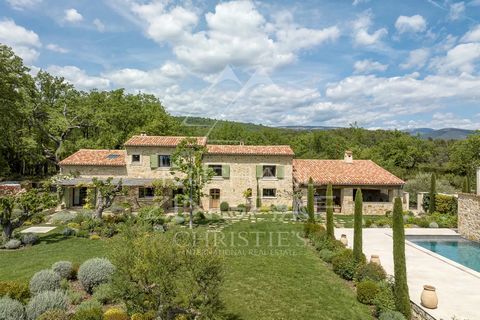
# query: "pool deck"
{"type": "Point", "coordinates": [458, 287]}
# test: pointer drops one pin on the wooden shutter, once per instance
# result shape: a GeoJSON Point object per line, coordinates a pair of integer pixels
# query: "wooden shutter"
{"type": "Point", "coordinates": [226, 171]}
{"type": "Point", "coordinates": [259, 171]}
{"type": "Point", "coordinates": [154, 161]}
{"type": "Point", "coordinates": [280, 172]}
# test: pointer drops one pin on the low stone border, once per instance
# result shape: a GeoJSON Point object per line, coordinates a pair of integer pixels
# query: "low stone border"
{"type": "Point", "coordinates": [418, 313]}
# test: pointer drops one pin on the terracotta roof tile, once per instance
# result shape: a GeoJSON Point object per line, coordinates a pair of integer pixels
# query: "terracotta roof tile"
{"type": "Point", "coordinates": [250, 150]}
{"type": "Point", "coordinates": [160, 141]}
{"type": "Point", "coordinates": [92, 157]}
{"type": "Point", "coordinates": [339, 172]}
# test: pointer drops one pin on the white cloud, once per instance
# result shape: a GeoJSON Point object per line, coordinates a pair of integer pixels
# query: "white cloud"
{"type": "Point", "coordinates": [462, 58]}
{"type": "Point", "coordinates": [416, 58]}
{"type": "Point", "coordinates": [361, 28]}
{"type": "Point", "coordinates": [72, 15]}
{"type": "Point", "coordinates": [235, 33]}
{"type": "Point", "coordinates": [150, 79]}
{"type": "Point", "coordinates": [165, 25]}
{"type": "Point", "coordinates": [99, 25]}
{"type": "Point", "coordinates": [24, 42]}
{"type": "Point", "coordinates": [414, 24]}
{"type": "Point", "coordinates": [456, 11]}
{"type": "Point", "coordinates": [56, 48]}
{"type": "Point", "coordinates": [79, 77]}
{"type": "Point", "coordinates": [357, 2]}
{"type": "Point", "coordinates": [369, 66]}
{"type": "Point", "coordinates": [23, 4]}
{"type": "Point", "coordinates": [473, 35]}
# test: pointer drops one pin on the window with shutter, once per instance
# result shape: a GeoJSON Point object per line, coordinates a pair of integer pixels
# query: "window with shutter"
{"type": "Point", "coordinates": [280, 172]}
{"type": "Point", "coordinates": [226, 171]}
{"type": "Point", "coordinates": [153, 161]}
{"type": "Point", "coordinates": [259, 171]}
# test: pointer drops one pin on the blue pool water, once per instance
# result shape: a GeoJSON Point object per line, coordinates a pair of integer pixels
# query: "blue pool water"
{"type": "Point", "coordinates": [462, 251]}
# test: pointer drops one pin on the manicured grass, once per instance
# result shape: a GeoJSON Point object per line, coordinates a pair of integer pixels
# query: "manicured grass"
{"type": "Point", "coordinates": [266, 277]}
{"type": "Point", "coordinates": [23, 263]}
{"type": "Point", "coordinates": [347, 220]}
{"type": "Point", "coordinates": [285, 280]}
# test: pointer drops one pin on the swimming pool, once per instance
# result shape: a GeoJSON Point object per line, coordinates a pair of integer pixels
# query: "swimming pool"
{"type": "Point", "coordinates": [455, 248]}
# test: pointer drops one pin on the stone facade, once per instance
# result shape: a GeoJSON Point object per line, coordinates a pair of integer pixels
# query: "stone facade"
{"type": "Point", "coordinates": [347, 201]}
{"type": "Point", "coordinates": [94, 171]}
{"type": "Point", "coordinates": [469, 216]}
{"type": "Point", "coordinates": [243, 176]}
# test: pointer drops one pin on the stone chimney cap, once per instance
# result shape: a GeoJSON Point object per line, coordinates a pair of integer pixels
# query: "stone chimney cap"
{"type": "Point", "coordinates": [348, 156]}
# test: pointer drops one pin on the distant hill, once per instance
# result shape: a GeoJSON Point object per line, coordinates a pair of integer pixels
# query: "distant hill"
{"type": "Point", "coordinates": [444, 134]}
{"type": "Point", "coordinates": [308, 127]}
{"type": "Point", "coordinates": [425, 133]}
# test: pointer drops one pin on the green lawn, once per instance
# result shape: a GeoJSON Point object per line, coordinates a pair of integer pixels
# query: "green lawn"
{"type": "Point", "coordinates": [347, 220]}
{"type": "Point", "coordinates": [22, 264]}
{"type": "Point", "coordinates": [283, 282]}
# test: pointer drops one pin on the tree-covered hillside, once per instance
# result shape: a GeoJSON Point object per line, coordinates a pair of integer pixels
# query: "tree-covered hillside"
{"type": "Point", "coordinates": [44, 119]}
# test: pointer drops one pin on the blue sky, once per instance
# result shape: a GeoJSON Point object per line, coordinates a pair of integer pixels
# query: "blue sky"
{"type": "Point", "coordinates": [381, 64]}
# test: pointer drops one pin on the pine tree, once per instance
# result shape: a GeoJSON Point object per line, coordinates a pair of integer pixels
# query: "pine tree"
{"type": "Point", "coordinates": [433, 191]}
{"type": "Point", "coordinates": [357, 226]}
{"type": "Point", "coordinates": [330, 231]}
{"type": "Point", "coordinates": [310, 201]}
{"type": "Point", "coordinates": [402, 299]}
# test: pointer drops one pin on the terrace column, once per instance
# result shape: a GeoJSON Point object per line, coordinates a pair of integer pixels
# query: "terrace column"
{"type": "Point", "coordinates": [478, 181]}
{"type": "Point", "coordinates": [347, 200]}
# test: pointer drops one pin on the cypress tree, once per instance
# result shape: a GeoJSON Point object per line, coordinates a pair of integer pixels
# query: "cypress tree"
{"type": "Point", "coordinates": [402, 298]}
{"type": "Point", "coordinates": [465, 185]}
{"type": "Point", "coordinates": [433, 191]}
{"type": "Point", "coordinates": [357, 226]}
{"type": "Point", "coordinates": [310, 204]}
{"type": "Point", "coordinates": [259, 198]}
{"type": "Point", "coordinates": [469, 185]}
{"type": "Point", "coordinates": [330, 232]}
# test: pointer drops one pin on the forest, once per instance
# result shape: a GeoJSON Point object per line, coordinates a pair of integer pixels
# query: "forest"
{"type": "Point", "coordinates": [44, 119]}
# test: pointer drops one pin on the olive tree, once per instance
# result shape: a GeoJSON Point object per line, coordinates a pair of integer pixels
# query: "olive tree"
{"type": "Point", "coordinates": [16, 207]}
{"type": "Point", "coordinates": [187, 159]}
{"type": "Point", "coordinates": [105, 193]}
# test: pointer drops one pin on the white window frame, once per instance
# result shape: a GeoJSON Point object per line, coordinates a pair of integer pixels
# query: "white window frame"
{"type": "Point", "coordinates": [160, 165]}
{"type": "Point", "coordinates": [139, 159]}
{"type": "Point", "coordinates": [269, 197]}
{"type": "Point", "coordinates": [210, 165]}
{"type": "Point", "coordinates": [274, 177]}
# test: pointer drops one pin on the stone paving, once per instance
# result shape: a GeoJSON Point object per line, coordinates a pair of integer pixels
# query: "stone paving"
{"type": "Point", "coordinates": [37, 230]}
{"type": "Point", "coordinates": [458, 287]}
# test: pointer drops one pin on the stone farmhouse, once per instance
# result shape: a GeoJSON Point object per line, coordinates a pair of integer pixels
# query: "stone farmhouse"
{"type": "Point", "coordinates": [273, 170]}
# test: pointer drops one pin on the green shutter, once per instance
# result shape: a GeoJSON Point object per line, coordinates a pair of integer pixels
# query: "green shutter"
{"type": "Point", "coordinates": [154, 161]}
{"type": "Point", "coordinates": [226, 171]}
{"type": "Point", "coordinates": [259, 171]}
{"type": "Point", "coordinates": [280, 172]}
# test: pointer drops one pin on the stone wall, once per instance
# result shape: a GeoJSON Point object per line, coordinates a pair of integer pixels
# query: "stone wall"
{"type": "Point", "coordinates": [95, 171]}
{"type": "Point", "coordinates": [243, 176]}
{"type": "Point", "coordinates": [469, 216]}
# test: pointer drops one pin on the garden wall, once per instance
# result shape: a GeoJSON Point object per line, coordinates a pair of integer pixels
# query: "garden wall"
{"type": "Point", "coordinates": [469, 216]}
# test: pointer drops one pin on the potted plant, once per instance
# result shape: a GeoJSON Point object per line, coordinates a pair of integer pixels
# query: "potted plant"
{"type": "Point", "coordinates": [247, 194]}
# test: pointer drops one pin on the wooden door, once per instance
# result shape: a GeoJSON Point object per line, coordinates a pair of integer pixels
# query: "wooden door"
{"type": "Point", "coordinates": [214, 198]}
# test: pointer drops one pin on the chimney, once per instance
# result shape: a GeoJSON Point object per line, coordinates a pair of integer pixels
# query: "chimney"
{"type": "Point", "coordinates": [143, 134]}
{"type": "Point", "coordinates": [348, 156]}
